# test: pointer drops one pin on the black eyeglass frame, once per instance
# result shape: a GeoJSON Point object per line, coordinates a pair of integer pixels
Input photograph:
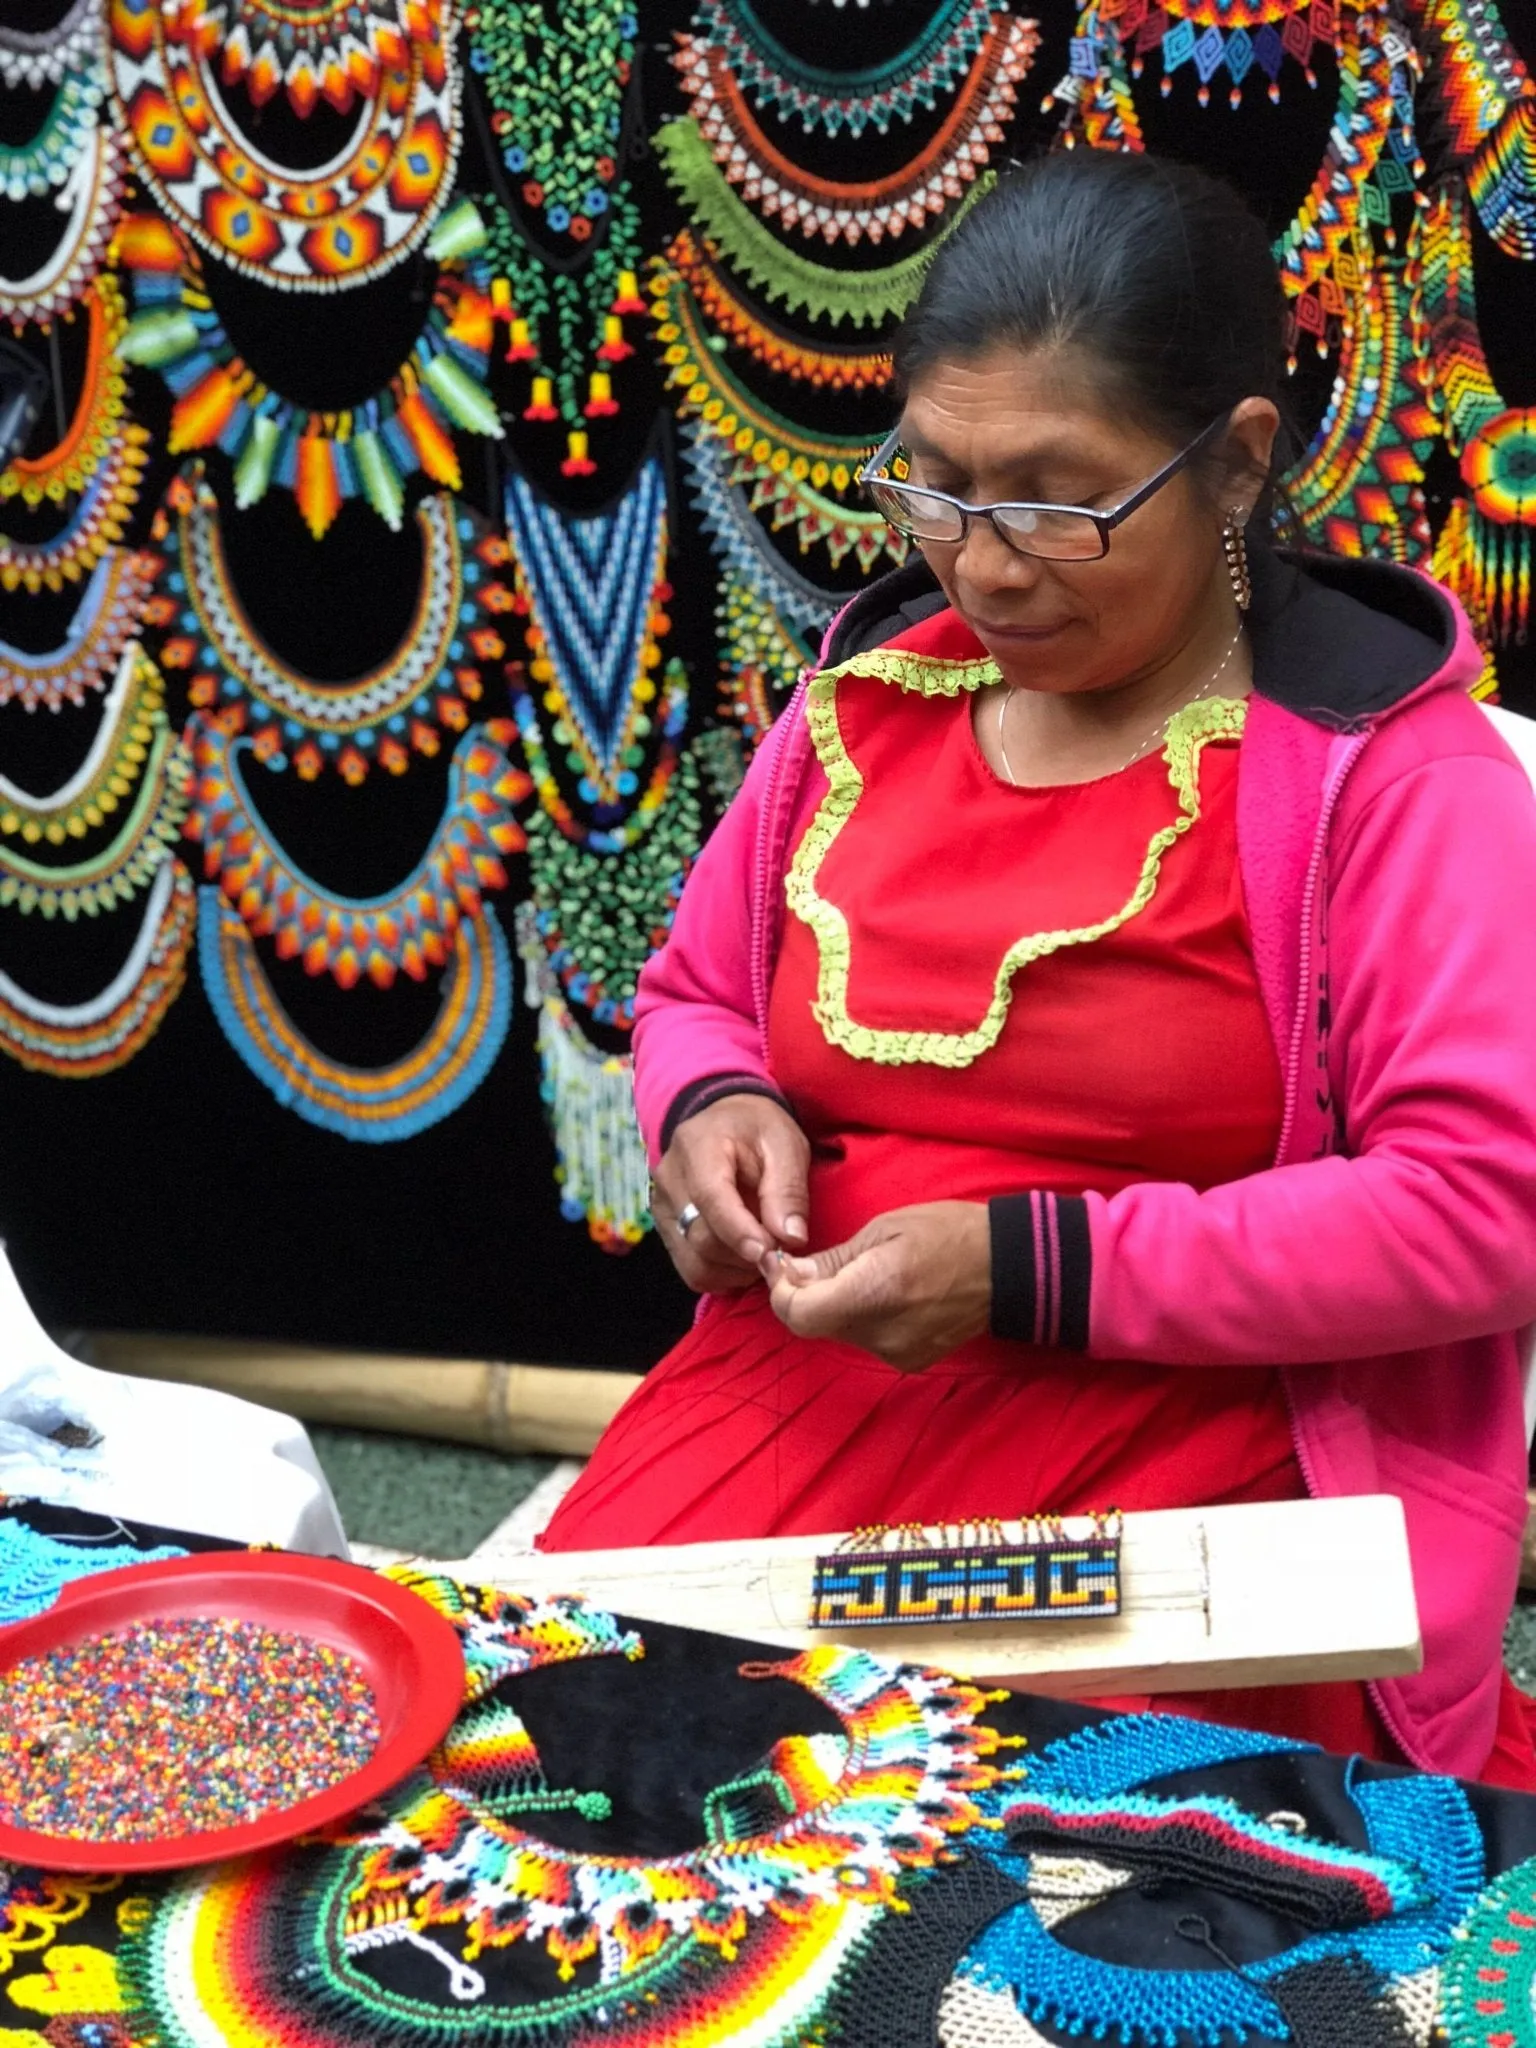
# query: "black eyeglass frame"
{"type": "Point", "coordinates": [1104, 522]}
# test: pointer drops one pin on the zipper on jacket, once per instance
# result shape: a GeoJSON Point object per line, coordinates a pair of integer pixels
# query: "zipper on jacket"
{"type": "Point", "coordinates": [1288, 1123]}
{"type": "Point", "coordinates": [761, 882]}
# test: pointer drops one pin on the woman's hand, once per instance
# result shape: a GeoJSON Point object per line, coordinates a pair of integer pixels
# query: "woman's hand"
{"type": "Point", "coordinates": [909, 1287]}
{"type": "Point", "coordinates": [743, 1163]}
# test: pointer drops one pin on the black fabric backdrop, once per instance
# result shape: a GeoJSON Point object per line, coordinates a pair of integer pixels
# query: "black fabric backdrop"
{"type": "Point", "coordinates": [175, 1194]}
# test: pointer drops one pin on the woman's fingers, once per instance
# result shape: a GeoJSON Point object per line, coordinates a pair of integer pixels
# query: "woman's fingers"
{"type": "Point", "coordinates": [836, 1293]}
{"type": "Point", "coordinates": [783, 1189]}
{"type": "Point", "coordinates": [715, 1194]}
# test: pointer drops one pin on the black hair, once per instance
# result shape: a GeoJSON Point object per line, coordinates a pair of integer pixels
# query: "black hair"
{"type": "Point", "coordinates": [1157, 273]}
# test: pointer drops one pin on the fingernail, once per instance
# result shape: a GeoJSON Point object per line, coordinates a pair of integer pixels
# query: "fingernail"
{"type": "Point", "coordinates": [794, 1226]}
{"type": "Point", "coordinates": [752, 1251]}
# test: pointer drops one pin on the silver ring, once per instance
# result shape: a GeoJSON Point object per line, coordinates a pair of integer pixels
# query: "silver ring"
{"type": "Point", "coordinates": [687, 1216]}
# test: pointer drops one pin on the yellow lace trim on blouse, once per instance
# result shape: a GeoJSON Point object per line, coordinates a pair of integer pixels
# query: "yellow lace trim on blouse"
{"type": "Point", "coordinates": [1190, 731]}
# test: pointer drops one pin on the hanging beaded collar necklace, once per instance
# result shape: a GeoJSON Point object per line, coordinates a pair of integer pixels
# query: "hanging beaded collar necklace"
{"type": "Point", "coordinates": [385, 715]}
{"type": "Point", "coordinates": [310, 49]}
{"type": "Point", "coordinates": [32, 169]}
{"type": "Point", "coordinates": [324, 458]}
{"type": "Point", "coordinates": [92, 198]}
{"type": "Point", "coordinates": [106, 618]}
{"type": "Point", "coordinates": [35, 58]}
{"type": "Point", "coordinates": [340, 225]}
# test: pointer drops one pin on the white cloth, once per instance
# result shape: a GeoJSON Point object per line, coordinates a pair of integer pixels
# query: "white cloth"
{"type": "Point", "coordinates": [182, 1457]}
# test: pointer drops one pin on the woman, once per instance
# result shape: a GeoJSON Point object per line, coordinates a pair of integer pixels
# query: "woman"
{"type": "Point", "coordinates": [1092, 1063]}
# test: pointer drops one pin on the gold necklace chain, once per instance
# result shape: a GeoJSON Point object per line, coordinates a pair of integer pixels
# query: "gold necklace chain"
{"type": "Point", "coordinates": [1153, 737]}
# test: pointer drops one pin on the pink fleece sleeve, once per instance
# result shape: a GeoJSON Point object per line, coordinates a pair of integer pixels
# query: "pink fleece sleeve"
{"type": "Point", "coordinates": [694, 1010]}
{"type": "Point", "coordinates": [1426, 1233]}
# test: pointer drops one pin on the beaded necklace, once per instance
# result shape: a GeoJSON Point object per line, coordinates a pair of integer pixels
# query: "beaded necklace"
{"type": "Point", "coordinates": [910, 196]}
{"type": "Point", "coordinates": [32, 169]}
{"type": "Point", "coordinates": [918, 76]}
{"type": "Point", "coordinates": [350, 220]}
{"type": "Point", "coordinates": [113, 763]}
{"type": "Point", "coordinates": [600, 917]}
{"type": "Point", "coordinates": [106, 619]}
{"type": "Point", "coordinates": [1359, 489]}
{"type": "Point", "coordinates": [864, 297]}
{"type": "Point", "coordinates": [92, 199]}
{"type": "Point", "coordinates": [1484, 548]}
{"type": "Point", "coordinates": [384, 715]}
{"type": "Point", "coordinates": [311, 49]}
{"type": "Point", "coordinates": [1486, 99]}
{"type": "Point", "coordinates": [1371, 158]}
{"type": "Point", "coordinates": [116, 872]}
{"type": "Point", "coordinates": [370, 1105]}
{"type": "Point", "coordinates": [97, 524]}
{"type": "Point", "coordinates": [324, 458]}
{"type": "Point", "coordinates": [100, 420]}
{"type": "Point", "coordinates": [79, 1041]}
{"type": "Point", "coordinates": [787, 468]}
{"type": "Point", "coordinates": [37, 57]}
{"type": "Point", "coordinates": [592, 592]}
{"type": "Point", "coordinates": [1490, 1969]}
{"type": "Point", "coordinates": [404, 930]}
{"type": "Point", "coordinates": [610, 836]}
{"type": "Point", "coordinates": [837, 369]}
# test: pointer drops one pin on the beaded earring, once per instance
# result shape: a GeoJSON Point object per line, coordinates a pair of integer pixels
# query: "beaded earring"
{"type": "Point", "coordinates": [1234, 542]}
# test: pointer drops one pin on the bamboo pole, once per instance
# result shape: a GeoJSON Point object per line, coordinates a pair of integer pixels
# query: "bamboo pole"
{"type": "Point", "coordinates": [501, 1406]}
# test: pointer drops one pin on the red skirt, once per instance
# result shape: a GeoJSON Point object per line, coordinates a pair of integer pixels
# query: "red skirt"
{"type": "Point", "coordinates": [743, 1430]}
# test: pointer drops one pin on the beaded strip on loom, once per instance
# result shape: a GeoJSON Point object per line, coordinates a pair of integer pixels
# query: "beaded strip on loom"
{"type": "Point", "coordinates": [407, 929]}
{"type": "Point", "coordinates": [1425, 1849]}
{"type": "Point", "coordinates": [397, 707]}
{"type": "Point", "coordinates": [91, 199]}
{"type": "Point", "coordinates": [324, 458]}
{"type": "Point", "coordinates": [1484, 548]}
{"type": "Point", "coordinates": [1189, 732]}
{"type": "Point", "coordinates": [1048, 1569]}
{"type": "Point", "coordinates": [840, 369]}
{"type": "Point", "coordinates": [598, 917]}
{"type": "Point", "coordinates": [592, 592]}
{"type": "Point", "coordinates": [112, 764]}
{"type": "Point", "coordinates": [864, 297]}
{"type": "Point", "coordinates": [32, 169]}
{"type": "Point", "coordinates": [589, 1100]}
{"type": "Point", "coordinates": [910, 196]}
{"type": "Point", "coordinates": [35, 1569]}
{"type": "Point", "coordinates": [106, 618]}
{"type": "Point", "coordinates": [1371, 157]}
{"type": "Point", "coordinates": [311, 49]}
{"type": "Point", "coordinates": [786, 468]}
{"type": "Point", "coordinates": [742, 1939]}
{"type": "Point", "coordinates": [100, 423]}
{"type": "Point", "coordinates": [1486, 99]}
{"type": "Point", "coordinates": [37, 57]}
{"type": "Point", "coordinates": [323, 230]}
{"type": "Point", "coordinates": [375, 1105]}
{"type": "Point", "coordinates": [1489, 1976]}
{"type": "Point", "coordinates": [917, 76]}
{"type": "Point", "coordinates": [1359, 488]}
{"type": "Point", "coordinates": [118, 871]}
{"type": "Point", "coordinates": [79, 1041]}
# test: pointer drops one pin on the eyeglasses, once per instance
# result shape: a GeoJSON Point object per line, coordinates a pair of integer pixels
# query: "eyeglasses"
{"type": "Point", "coordinates": [1059, 533]}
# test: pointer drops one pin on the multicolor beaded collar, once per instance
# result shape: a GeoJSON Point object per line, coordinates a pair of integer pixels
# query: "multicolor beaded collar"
{"type": "Point", "coordinates": [100, 422]}
{"type": "Point", "coordinates": [92, 198]}
{"type": "Point", "coordinates": [1189, 732]}
{"type": "Point", "coordinates": [106, 618]}
{"type": "Point", "coordinates": [323, 458]}
{"type": "Point", "coordinates": [371, 1105]}
{"type": "Point", "coordinates": [79, 1041]}
{"type": "Point", "coordinates": [387, 714]}
{"type": "Point", "coordinates": [864, 297]}
{"type": "Point", "coordinates": [841, 369]}
{"type": "Point", "coordinates": [338, 226]}
{"type": "Point", "coordinates": [118, 754]}
{"type": "Point", "coordinates": [404, 930]}
{"type": "Point", "coordinates": [917, 76]}
{"type": "Point", "coordinates": [1486, 99]}
{"type": "Point", "coordinates": [37, 57]}
{"type": "Point", "coordinates": [911, 196]}
{"type": "Point", "coordinates": [310, 49]}
{"type": "Point", "coordinates": [32, 169]}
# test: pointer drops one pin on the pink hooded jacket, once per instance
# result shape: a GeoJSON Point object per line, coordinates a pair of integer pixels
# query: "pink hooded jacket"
{"type": "Point", "coordinates": [1387, 844]}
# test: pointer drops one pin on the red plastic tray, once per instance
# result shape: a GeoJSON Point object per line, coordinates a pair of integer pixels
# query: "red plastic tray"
{"type": "Point", "coordinates": [411, 1657]}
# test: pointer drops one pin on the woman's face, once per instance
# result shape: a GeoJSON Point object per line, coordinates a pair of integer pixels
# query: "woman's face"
{"type": "Point", "coordinates": [1016, 424]}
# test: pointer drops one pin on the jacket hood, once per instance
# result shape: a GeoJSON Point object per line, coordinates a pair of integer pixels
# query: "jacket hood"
{"type": "Point", "coordinates": [1335, 640]}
